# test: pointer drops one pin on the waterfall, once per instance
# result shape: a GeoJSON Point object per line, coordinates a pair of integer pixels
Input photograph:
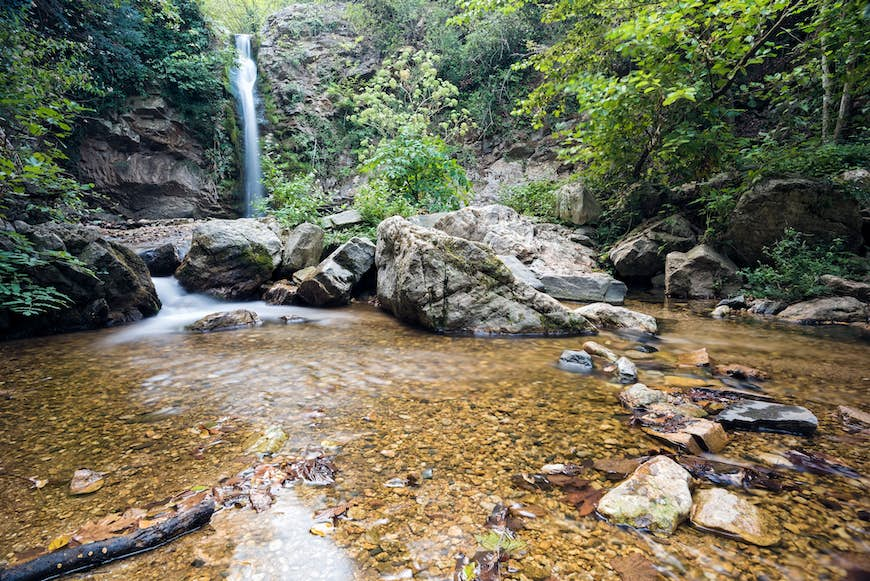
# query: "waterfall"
{"type": "Point", "coordinates": [244, 80]}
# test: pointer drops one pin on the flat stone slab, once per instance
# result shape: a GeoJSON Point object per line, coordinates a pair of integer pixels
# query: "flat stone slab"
{"type": "Point", "coordinates": [343, 219]}
{"type": "Point", "coordinates": [762, 416]}
{"type": "Point", "coordinates": [521, 271]}
{"type": "Point", "coordinates": [591, 287]}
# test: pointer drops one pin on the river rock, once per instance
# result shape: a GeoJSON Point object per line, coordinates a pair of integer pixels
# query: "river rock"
{"type": "Point", "coordinates": [162, 260]}
{"type": "Point", "coordinates": [301, 276]}
{"type": "Point", "coordinates": [269, 443]}
{"type": "Point", "coordinates": [575, 361]}
{"type": "Point", "coordinates": [303, 247]}
{"type": "Point", "coordinates": [521, 271]}
{"type": "Point", "coordinates": [767, 307]}
{"type": "Point", "coordinates": [701, 273]}
{"type": "Point", "coordinates": [592, 286]}
{"type": "Point", "coordinates": [600, 350]}
{"type": "Point", "coordinates": [282, 292]}
{"type": "Point", "coordinates": [450, 284]}
{"type": "Point", "coordinates": [814, 207]}
{"type": "Point", "coordinates": [692, 433]}
{"type": "Point", "coordinates": [605, 315]}
{"type": "Point", "coordinates": [845, 287]}
{"type": "Point", "coordinates": [577, 204]}
{"type": "Point", "coordinates": [761, 416]}
{"type": "Point", "coordinates": [85, 481]}
{"type": "Point", "coordinates": [119, 290]}
{"type": "Point", "coordinates": [335, 278]}
{"type": "Point", "coordinates": [655, 497]}
{"type": "Point", "coordinates": [641, 254]}
{"type": "Point", "coordinates": [626, 371]}
{"type": "Point", "coordinates": [827, 310]}
{"type": "Point", "coordinates": [720, 312]}
{"type": "Point", "coordinates": [226, 321]}
{"type": "Point", "coordinates": [230, 259]}
{"type": "Point", "coordinates": [737, 303]}
{"type": "Point", "coordinates": [719, 510]}
{"type": "Point", "coordinates": [639, 396]}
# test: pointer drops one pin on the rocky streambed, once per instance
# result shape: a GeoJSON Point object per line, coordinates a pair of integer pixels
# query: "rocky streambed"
{"type": "Point", "coordinates": [429, 434]}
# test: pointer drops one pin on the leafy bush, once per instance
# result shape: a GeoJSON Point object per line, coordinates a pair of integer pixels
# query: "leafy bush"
{"type": "Point", "coordinates": [536, 198]}
{"type": "Point", "coordinates": [795, 265]}
{"type": "Point", "coordinates": [418, 171]}
{"type": "Point", "coordinates": [376, 202]}
{"type": "Point", "coordinates": [292, 198]}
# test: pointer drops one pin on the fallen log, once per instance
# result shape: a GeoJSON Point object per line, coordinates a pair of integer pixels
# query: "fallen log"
{"type": "Point", "coordinates": [88, 556]}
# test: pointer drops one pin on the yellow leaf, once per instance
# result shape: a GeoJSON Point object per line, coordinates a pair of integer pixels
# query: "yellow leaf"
{"type": "Point", "coordinates": [58, 543]}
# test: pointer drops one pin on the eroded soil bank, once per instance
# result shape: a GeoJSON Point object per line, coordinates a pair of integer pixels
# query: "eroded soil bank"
{"type": "Point", "coordinates": [462, 415]}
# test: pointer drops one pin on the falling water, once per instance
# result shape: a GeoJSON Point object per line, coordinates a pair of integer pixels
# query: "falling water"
{"type": "Point", "coordinates": [244, 79]}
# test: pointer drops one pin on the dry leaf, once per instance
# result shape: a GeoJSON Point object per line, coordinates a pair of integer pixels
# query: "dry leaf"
{"type": "Point", "coordinates": [634, 567]}
{"type": "Point", "coordinates": [59, 542]}
{"type": "Point", "coordinates": [331, 513]}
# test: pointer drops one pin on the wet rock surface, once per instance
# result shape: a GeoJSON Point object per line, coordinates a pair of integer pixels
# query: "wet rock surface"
{"type": "Point", "coordinates": [767, 416]}
{"type": "Point", "coordinates": [827, 310]}
{"type": "Point", "coordinates": [451, 284]}
{"type": "Point", "coordinates": [333, 282]}
{"type": "Point", "coordinates": [575, 361]}
{"type": "Point", "coordinates": [230, 259]}
{"type": "Point", "coordinates": [162, 260]}
{"type": "Point", "coordinates": [225, 321]}
{"type": "Point", "coordinates": [722, 511]}
{"type": "Point", "coordinates": [655, 497]}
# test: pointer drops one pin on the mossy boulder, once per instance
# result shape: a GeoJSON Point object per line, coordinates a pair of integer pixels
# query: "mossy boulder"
{"type": "Point", "coordinates": [230, 259]}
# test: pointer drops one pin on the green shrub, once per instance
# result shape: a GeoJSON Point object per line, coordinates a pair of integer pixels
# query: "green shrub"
{"type": "Point", "coordinates": [795, 265]}
{"type": "Point", "coordinates": [536, 198]}
{"type": "Point", "coordinates": [292, 198]}
{"type": "Point", "coordinates": [376, 202]}
{"type": "Point", "coordinates": [417, 171]}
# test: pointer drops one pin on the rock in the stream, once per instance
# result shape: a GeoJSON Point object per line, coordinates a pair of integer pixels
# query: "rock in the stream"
{"type": "Point", "coordinates": [592, 286]}
{"type": "Point", "coordinates": [641, 254]}
{"type": "Point", "coordinates": [846, 287]}
{"type": "Point", "coordinates": [450, 284]}
{"type": "Point", "coordinates": [230, 259]}
{"type": "Point", "coordinates": [576, 204]}
{"type": "Point", "coordinates": [600, 350]}
{"type": "Point", "coordinates": [764, 416]}
{"type": "Point", "coordinates": [701, 273]}
{"type": "Point", "coordinates": [335, 278]}
{"type": "Point", "coordinates": [521, 271]}
{"type": "Point", "coordinates": [694, 434]}
{"type": "Point", "coordinates": [640, 396]}
{"type": "Point", "coordinates": [575, 361]}
{"type": "Point", "coordinates": [225, 321]}
{"type": "Point", "coordinates": [269, 442]}
{"type": "Point", "coordinates": [626, 370]}
{"type": "Point", "coordinates": [738, 302]}
{"type": "Point", "coordinates": [85, 481]}
{"type": "Point", "coordinates": [162, 260]}
{"type": "Point", "coordinates": [301, 276]}
{"type": "Point", "coordinates": [655, 497]}
{"type": "Point", "coordinates": [827, 310]}
{"type": "Point", "coordinates": [719, 510]}
{"type": "Point", "coordinates": [605, 315]}
{"type": "Point", "coordinates": [282, 292]}
{"type": "Point", "coordinates": [118, 288]}
{"type": "Point", "coordinates": [720, 312]}
{"type": "Point", "coordinates": [302, 249]}
{"type": "Point", "coordinates": [767, 307]}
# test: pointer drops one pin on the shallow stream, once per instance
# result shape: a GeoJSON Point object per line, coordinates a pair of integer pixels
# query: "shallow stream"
{"type": "Point", "coordinates": [461, 414]}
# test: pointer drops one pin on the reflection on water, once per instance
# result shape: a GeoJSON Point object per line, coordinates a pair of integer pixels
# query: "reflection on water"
{"type": "Point", "coordinates": [390, 401]}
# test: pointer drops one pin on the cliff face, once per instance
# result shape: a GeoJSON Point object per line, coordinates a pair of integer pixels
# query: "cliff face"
{"type": "Point", "coordinates": [304, 49]}
{"type": "Point", "coordinates": [149, 165]}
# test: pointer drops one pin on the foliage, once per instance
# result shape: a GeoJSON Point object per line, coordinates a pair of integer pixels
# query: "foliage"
{"type": "Point", "coordinates": [822, 161]}
{"type": "Point", "coordinates": [241, 16]}
{"type": "Point", "coordinates": [407, 95]}
{"type": "Point", "coordinates": [657, 89]}
{"type": "Point", "coordinates": [795, 264]}
{"type": "Point", "coordinates": [376, 202]}
{"type": "Point", "coordinates": [536, 198]}
{"type": "Point", "coordinates": [418, 171]}
{"type": "Point", "coordinates": [293, 198]}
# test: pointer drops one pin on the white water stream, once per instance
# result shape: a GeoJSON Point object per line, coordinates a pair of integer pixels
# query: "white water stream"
{"type": "Point", "coordinates": [244, 80]}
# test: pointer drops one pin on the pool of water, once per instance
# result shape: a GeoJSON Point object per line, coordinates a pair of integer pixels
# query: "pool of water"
{"type": "Point", "coordinates": [390, 401]}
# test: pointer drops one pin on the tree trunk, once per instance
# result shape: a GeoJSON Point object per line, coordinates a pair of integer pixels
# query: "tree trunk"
{"type": "Point", "coordinates": [826, 94]}
{"type": "Point", "coordinates": [846, 97]}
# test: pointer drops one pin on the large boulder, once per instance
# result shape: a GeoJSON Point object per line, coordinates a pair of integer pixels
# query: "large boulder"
{"type": "Point", "coordinates": [148, 163]}
{"type": "Point", "coordinates": [641, 254]}
{"type": "Point", "coordinates": [655, 497]}
{"type": "Point", "coordinates": [845, 287]}
{"type": "Point", "coordinates": [230, 259]}
{"type": "Point", "coordinates": [335, 278]}
{"type": "Point", "coordinates": [303, 247]}
{"type": "Point", "coordinates": [701, 273]}
{"type": "Point", "coordinates": [577, 204]}
{"type": "Point", "coordinates": [827, 310]}
{"type": "Point", "coordinates": [555, 255]}
{"type": "Point", "coordinates": [814, 207]}
{"type": "Point", "coordinates": [118, 288]}
{"type": "Point", "coordinates": [162, 260]}
{"type": "Point", "coordinates": [450, 284]}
